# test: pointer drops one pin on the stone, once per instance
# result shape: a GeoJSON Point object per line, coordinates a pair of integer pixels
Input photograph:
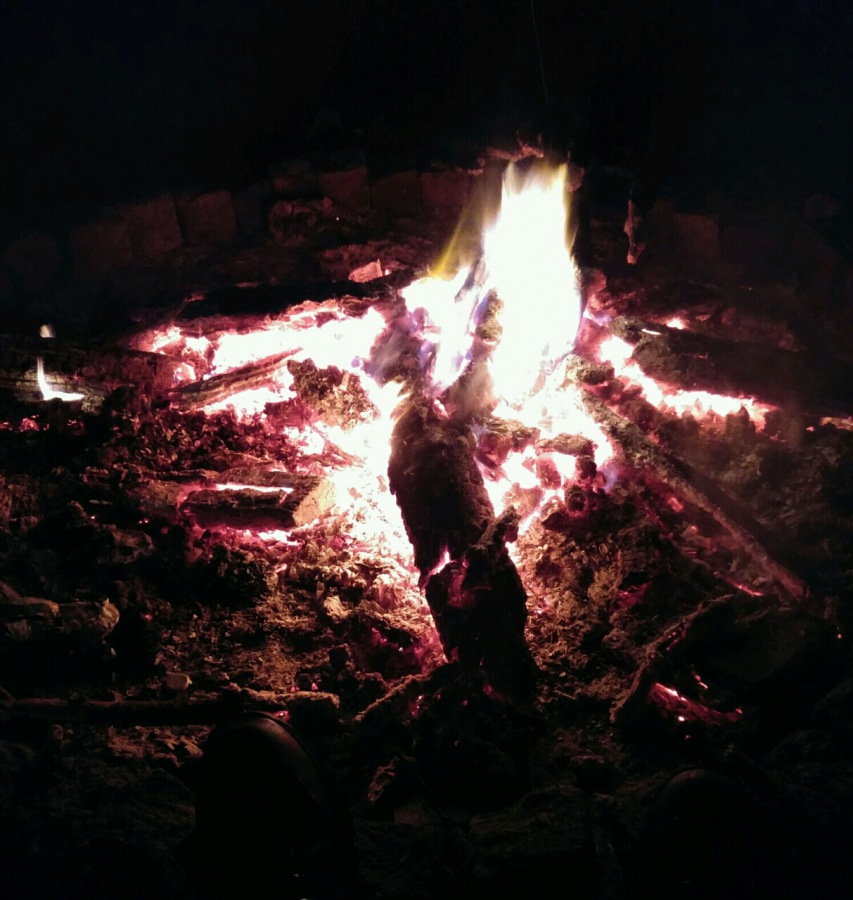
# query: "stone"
{"type": "Point", "coordinates": [153, 227]}
{"type": "Point", "coordinates": [398, 194]}
{"type": "Point", "coordinates": [348, 187]}
{"type": "Point", "coordinates": [251, 206]}
{"type": "Point", "coordinates": [210, 218]}
{"type": "Point", "coordinates": [445, 190]}
{"type": "Point", "coordinates": [293, 178]}
{"type": "Point", "coordinates": [32, 260]}
{"type": "Point", "coordinates": [100, 248]}
{"type": "Point", "coordinates": [177, 682]}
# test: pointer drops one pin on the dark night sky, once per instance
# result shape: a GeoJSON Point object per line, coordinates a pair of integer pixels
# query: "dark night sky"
{"type": "Point", "coordinates": [101, 98]}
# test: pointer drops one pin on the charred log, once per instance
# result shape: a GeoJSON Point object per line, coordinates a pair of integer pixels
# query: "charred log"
{"type": "Point", "coordinates": [479, 606]}
{"type": "Point", "coordinates": [770, 374]}
{"type": "Point", "coordinates": [211, 390]}
{"type": "Point", "coordinates": [477, 600]}
{"type": "Point", "coordinates": [770, 552]}
{"type": "Point", "coordinates": [75, 367]}
{"type": "Point", "coordinates": [307, 498]}
{"type": "Point", "coordinates": [438, 486]}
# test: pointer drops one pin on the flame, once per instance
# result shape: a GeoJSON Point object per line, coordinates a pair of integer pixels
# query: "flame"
{"type": "Point", "coordinates": [49, 393]}
{"type": "Point", "coordinates": [531, 268]}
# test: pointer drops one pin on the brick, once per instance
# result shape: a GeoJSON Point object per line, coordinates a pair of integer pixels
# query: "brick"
{"type": "Point", "coordinates": [100, 248]}
{"type": "Point", "coordinates": [252, 207]}
{"type": "Point", "coordinates": [32, 260]}
{"type": "Point", "coordinates": [153, 227]}
{"type": "Point", "coordinates": [348, 187]}
{"type": "Point", "coordinates": [445, 190]}
{"type": "Point", "coordinates": [398, 194]}
{"type": "Point", "coordinates": [210, 218]}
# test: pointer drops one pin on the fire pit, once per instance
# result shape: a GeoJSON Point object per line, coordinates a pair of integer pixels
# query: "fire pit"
{"type": "Point", "coordinates": [496, 538]}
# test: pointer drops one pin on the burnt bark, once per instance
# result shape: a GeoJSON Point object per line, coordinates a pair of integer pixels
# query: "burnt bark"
{"type": "Point", "coordinates": [819, 384]}
{"type": "Point", "coordinates": [477, 599]}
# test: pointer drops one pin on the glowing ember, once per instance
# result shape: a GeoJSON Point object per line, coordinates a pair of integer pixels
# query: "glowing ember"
{"type": "Point", "coordinates": [617, 353]}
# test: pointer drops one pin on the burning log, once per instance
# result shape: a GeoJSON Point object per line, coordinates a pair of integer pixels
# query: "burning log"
{"type": "Point", "coordinates": [298, 500]}
{"type": "Point", "coordinates": [477, 599]}
{"type": "Point", "coordinates": [218, 387]}
{"type": "Point", "coordinates": [763, 547]}
{"type": "Point", "coordinates": [769, 374]}
{"type": "Point", "coordinates": [231, 302]}
{"type": "Point", "coordinates": [73, 367]}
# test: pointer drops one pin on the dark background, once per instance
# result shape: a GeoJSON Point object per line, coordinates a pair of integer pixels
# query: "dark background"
{"type": "Point", "coordinates": [103, 100]}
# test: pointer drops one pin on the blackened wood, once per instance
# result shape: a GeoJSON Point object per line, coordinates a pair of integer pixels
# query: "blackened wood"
{"type": "Point", "coordinates": [201, 393]}
{"type": "Point", "coordinates": [815, 383]}
{"type": "Point", "coordinates": [308, 498]}
{"type": "Point", "coordinates": [76, 366]}
{"type": "Point", "coordinates": [161, 712]}
{"type": "Point", "coordinates": [250, 301]}
{"type": "Point", "coordinates": [480, 609]}
{"type": "Point", "coordinates": [438, 487]}
{"type": "Point", "coordinates": [477, 599]}
{"type": "Point", "coordinates": [653, 463]}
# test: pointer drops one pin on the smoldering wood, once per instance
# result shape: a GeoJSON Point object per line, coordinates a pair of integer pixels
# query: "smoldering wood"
{"type": "Point", "coordinates": [307, 498]}
{"type": "Point", "coordinates": [78, 367]}
{"type": "Point", "coordinates": [819, 384]}
{"type": "Point", "coordinates": [768, 550]}
{"type": "Point", "coordinates": [179, 711]}
{"type": "Point", "coordinates": [337, 397]}
{"type": "Point", "coordinates": [233, 302]}
{"type": "Point", "coordinates": [480, 609]}
{"type": "Point", "coordinates": [438, 487]}
{"type": "Point", "coordinates": [477, 600]}
{"type": "Point", "coordinates": [253, 375]}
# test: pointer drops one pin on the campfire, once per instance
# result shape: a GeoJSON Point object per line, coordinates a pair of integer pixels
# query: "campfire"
{"type": "Point", "coordinates": [331, 502]}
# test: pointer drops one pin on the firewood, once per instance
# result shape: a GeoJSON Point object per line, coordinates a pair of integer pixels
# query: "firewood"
{"type": "Point", "coordinates": [652, 463]}
{"type": "Point", "coordinates": [75, 366]}
{"type": "Point", "coordinates": [477, 600]}
{"type": "Point", "coordinates": [307, 498]}
{"type": "Point", "coordinates": [438, 486]}
{"type": "Point", "coordinates": [160, 712]}
{"type": "Point", "coordinates": [818, 384]}
{"type": "Point", "coordinates": [231, 302]}
{"type": "Point", "coordinates": [201, 393]}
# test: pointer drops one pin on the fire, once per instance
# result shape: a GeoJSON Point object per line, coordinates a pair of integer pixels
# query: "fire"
{"type": "Point", "coordinates": [618, 353]}
{"type": "Point", "coordinates": [528, 258]}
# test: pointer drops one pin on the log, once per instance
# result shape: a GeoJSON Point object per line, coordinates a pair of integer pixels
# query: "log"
{"type": "Point", "coordinates": [438, 487]}
{"type": "Point", "coordinates": [161, 712]}
{"type": "Point", "coordinates": [764, 548]}
{"type": "Point", "coordinates": [814, 383]}
{"type": "Point", "coordinates": [301, 501]}
{"type": "Point", "coordinates": [230, 302]}
{"type": "Point", "coordinates": [477, 599]}
{"type": "Point", "coordinates": [75, 366]}
{"type": "Point", "coordinates": [197, 394]}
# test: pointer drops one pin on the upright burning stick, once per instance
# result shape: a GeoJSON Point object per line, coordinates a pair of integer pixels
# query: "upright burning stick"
{"type": "Point", "coordinates": [476, 598]}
